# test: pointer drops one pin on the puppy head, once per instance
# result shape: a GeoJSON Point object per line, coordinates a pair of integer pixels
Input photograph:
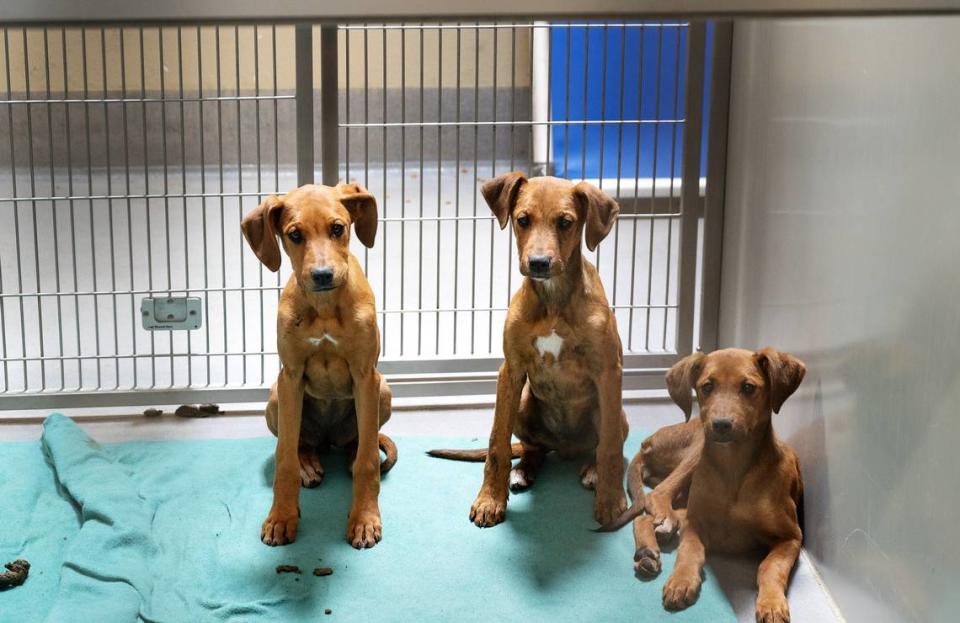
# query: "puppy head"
{"type": "Point", "coordinates": [313, 223]}
{"type": "Point", "coordinates": [550, 216]}
{"type": "Point", "coordinates": [737, 389]}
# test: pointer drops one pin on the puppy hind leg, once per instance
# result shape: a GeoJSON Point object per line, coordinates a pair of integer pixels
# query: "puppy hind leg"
{"type": "Point", "coordinates": [308, 452]}
{"type": "Point", "coordinates": [271, 413]}
{"type": "Point", "coordinates": [311, 471]}
{"type": "Point", "coordinates": [588, 476]}
{"type": "Point", "coordinates": [525, 473]}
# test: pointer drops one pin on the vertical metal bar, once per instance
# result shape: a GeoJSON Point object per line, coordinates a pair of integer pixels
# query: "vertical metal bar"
{"type": "Point", "coordinates": [183, 187]}
{"type": "Point", "coordinates": [673, 166]}
{"type": "Point", "coordinates": [203, 203]}
{"type": "Point", "coordinates": [366, 129]}
{"type": "Point", "coordinates": [53, 206]}
{"type": "Point", "coordinates": [619, 172]}
{"type": "Point", "coordinates": [716, 185]}
{"type": "Point", "coordinates": [690, 189]}
{"type": "Point", "coordinates": [403, 182]}
{"type": "Point", "coordinates": [16, 212]}
{"type": "Point", "coordinates": [47, 70]}
{"type": "Point", "coordinates": [223, 224]}
{"type": "Point", "coordinates": [436, 339]}
{"type": "Point", "coordinates": [240, 243]}
{"type": "Point", "coordinates": [586, 86]}
{"type": "Point", "coordinates": [493, 169]}
{"type": "Point", "coordinates": [33, 211]}
{"type": "Point", "coordinates": [109, 165]}
{"type": "Point", "coordinates": [256, 90]}
{"type": "Point", "coordinates": [456, 204]}
{"type": "Point", "coordinates": [70, 193]}
{"type": "Point", "coordinates": [303, 44]}
{"type": "Point", "coordinates": [276, 118]}
{"type": "Point", "coordinates": [473, 174]}
{"type": "Point", "coordinates": [420, 213]}
{"type": "Point", "coordinates": [549, 169]}
{"type": "Point", "coordinates": [636, 194]}
{"type": "Point", "coordinates": [383, 118]}
{"type": "Point", "coordinates": [346, 131]}
{"type": "Point", "coordinates": [126, 172]}
{"type": "Point", "coordinates": [146, 191]}
{"type": "Point", "coordinates": [276, 139]}
{"type": "Point", "coordinates": [13, 206]}
{"type": "Point", "coordinates": [513, 119]}
{"type": "Point", "coordinates": [161, 69]}
{"type": "Point", "coordinates": [603, 115]}
{"type": "Point", "coordinates": [566, 104]}
{"type": "Point", "coordinates": [653, 187]}
{"type": "Point", "coordinates": [329, 105]}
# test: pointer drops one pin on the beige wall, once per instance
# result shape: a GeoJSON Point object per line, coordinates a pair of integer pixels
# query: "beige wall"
{"type": "Point", "coordinates": [251, 44]}
{"type": "Point", "coordinates": [840, 245]}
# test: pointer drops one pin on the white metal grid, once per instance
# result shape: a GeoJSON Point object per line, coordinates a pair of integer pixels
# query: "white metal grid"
{"type": "Point", "coordinates": [133, 152]}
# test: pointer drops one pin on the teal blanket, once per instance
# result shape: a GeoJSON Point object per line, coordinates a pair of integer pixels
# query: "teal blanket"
{"type": "Point", "coordinates": [169, 531]}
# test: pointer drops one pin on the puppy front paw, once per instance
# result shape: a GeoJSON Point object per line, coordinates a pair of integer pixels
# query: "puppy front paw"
{"type": "Point", "coordinates": [772, 609]}
{"type": "Point", "coordinates": [487, 511]}
{"type": "Point", "coordinates": [364, 529]}
{"type": "Point", "coordinates": [680, 591]}
{"type": "Point", "coordinates": [280, 527]}
{"type": "Point", "coordinates": [665, 520]}
{"type": "Point", "coordinates": [608, 506]}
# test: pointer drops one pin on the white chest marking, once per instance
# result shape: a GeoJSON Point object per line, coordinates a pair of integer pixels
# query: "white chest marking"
{"type": "Point", "coordinates": [317, 341]}
{"type": "Point", "coordinates": [549, 344]}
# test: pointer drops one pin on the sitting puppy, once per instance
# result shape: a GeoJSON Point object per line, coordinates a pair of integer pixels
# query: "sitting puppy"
{"type": "Point", "coordinates": [742, 485]}
{"type": "Point", "coordinates": [559, 387]}
{"type": "Point", "coordinates": [329, 391]}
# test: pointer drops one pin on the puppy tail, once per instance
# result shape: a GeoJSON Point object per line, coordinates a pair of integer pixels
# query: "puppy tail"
{"type": "Point", "coordinates": [635, 488]}
{"type": "Point", "coordinates": [472, 455]}
{"type": "Point", "coordinates": [390, 449]}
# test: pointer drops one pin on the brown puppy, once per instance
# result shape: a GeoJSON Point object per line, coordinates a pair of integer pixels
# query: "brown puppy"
{"type": "Point", "coordinates": [559, 387]}
{"type": "Point", "coordinates": [744, 483]}
{"type": "Point", "coordinates": [329, 391]}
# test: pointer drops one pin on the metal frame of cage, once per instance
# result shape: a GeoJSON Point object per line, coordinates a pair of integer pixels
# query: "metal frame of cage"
{"type": "Point", "coordinates": [315, 45]}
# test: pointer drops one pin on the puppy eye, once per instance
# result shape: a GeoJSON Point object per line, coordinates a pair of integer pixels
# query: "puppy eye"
{"type": "Point", "coordinates": [565, 223]}
{"type": "Point", "coordinates": [337, 230]}
{"type": "Point", "coordinates": [523, 221]}
{"type": "Point", "coordinates": [706, 388]}
{"type": "Point", "coordinates": [747, 389]}
{"type": "Point", "coordinates": [295, 236]}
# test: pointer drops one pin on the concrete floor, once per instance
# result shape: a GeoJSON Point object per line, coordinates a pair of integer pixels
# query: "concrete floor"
{"type": "Point", "coordinates": [809, 599]}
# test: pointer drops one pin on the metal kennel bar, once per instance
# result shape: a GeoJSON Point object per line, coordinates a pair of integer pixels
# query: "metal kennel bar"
{"type": "Point", "coordinates": [133, 150]}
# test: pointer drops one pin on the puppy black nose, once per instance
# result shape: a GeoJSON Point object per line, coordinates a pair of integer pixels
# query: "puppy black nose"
{"type": "Point", "coordinates": [722, 425]}
{"type": "Point", "coordinates": [539, 265]}
{"type": "Point", "coordinates": [322, 277]}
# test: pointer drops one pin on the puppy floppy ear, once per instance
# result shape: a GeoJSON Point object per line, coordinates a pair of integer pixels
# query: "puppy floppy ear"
{"type": "Point", "coordinates": [362, 207]}
{"type": "Point", "coordinates": [259, 227]}
{"type": "Point", "coordinates": [601, 212]}
{"type": "Point", "coordinates": [501, 194]}
{"type": "Point", "coordinates": [784, 374]}
{"type": "Point", "coordinates": [681, 378]}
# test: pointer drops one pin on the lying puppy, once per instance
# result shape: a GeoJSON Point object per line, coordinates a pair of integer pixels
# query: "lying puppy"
{"type": "Point", "coordinates": [744, 484]}
{"type": "Point", "coordinates": [559, 387]}
{"type": "Point", "coordinates": [329, 391]}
